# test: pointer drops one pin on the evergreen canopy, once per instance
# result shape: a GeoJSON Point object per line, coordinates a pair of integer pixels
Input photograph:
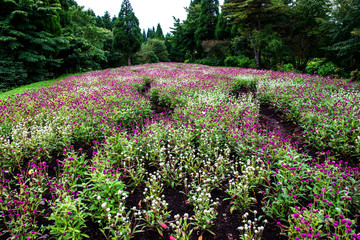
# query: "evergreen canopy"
{"type": "Point", "coordinates": [127, 33]}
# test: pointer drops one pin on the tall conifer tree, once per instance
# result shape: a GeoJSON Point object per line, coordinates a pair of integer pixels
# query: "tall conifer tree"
{"type": "Point", "coordinates": [159, 32]}
{"type": "Point", "coordinates": [207, 21]}
{"type": "Point", "coordinates": [127, 33]}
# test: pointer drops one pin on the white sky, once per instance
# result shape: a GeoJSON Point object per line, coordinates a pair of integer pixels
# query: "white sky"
{"type": "Point", "coordinates": [149, 12]}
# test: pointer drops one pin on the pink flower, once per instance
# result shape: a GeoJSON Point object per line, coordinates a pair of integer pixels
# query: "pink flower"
{"type": "Point", "coordinates": [163, 225]}
{"type": "Point", "coordinates": [172, 238]}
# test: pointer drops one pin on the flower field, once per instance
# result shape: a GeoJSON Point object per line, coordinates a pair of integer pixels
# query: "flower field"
{"type": "Point", "coordinates": [182, 151]}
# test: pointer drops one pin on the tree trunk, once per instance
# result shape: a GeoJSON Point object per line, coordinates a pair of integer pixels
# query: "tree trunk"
{"type": "Point", "coordinates": [129, 61]}
{"type": "Point", "coordinates": [256, 51]}
{"type": "Point", "coordinates": [257, 57]}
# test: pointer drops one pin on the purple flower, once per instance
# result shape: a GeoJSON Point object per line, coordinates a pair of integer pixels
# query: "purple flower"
{"type": "Point", "coordinates": [296, 215]}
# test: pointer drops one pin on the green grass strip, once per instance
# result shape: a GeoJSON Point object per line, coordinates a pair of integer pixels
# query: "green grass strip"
{"type": "Point", "coordinates": [34, 86]}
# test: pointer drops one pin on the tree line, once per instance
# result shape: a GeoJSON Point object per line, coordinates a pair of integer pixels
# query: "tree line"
{"type": "Point", "coordinates": [316, 36]}
{"type": "Point", "coordinates": [45, 39]}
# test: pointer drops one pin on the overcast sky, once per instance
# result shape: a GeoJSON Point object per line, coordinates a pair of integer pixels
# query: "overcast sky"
{"type": "Point", "coordinates": [149, 12]}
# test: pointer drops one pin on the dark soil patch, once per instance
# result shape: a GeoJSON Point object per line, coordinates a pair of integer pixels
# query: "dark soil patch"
{"type": "Point", "coordinates": [178, 202]}
{"type": "Point", "coordinates": [275, 120]}
{"type": "Point", "coordinates": [151, 235]}
{"type": "Point", "coordinates": [245, 90]}
{"type": "Point", "coordinates": [146, 88]}
{"type": "Point", "coordinates": [165, 111]}
{"type": "Point", "coordinates": [93, 230]}
{"type": "Point", "coordinates": [272, 231]}
{"type": "Point", "coordinates": [135, 198]}
{"type": "Point", "coordinates": [272, 118]}
{"type": "Point", "coordinates": [226, 224]}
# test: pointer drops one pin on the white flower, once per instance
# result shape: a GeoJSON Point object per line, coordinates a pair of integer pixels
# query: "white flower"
{"type": "Point", "coordinates": [103, 205]}
{"type": "Point", "coordinates": [108, 209]}
{"type": "Point", "coordinates": [98, 197]}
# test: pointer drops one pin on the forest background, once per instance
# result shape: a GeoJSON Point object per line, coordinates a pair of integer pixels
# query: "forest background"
{"type": "Point", "coordinates": [41, 40]}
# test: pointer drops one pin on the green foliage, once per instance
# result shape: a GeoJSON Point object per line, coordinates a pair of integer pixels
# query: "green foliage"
{"type": "Point", "coordinates": [159, 33]}
{"type": "Point", "coordinates": [31, 87]}
{"type": "Point", "coordinates": [28, 43]}
{"type": "Point", "coordinates": [231, 61]}
{"type": "Point", "coordinates": [43, 39]}
{"type": "Point", "coordinates": [183, 45]}
{"type": "Point", "coordinates": [12, 73]}
{"type": "Point", "coordinates": [355, 76]}
{"type": "Point", "coordinates": [209, 10]}
{"type": "Point", "coordinates": [127, 34]}
{"type": "Point", "coordinates": [251, 17]}
{"type": "Point", "coordinates": [151, 33]}
{"type": "Point", "coordinates": [159, 48]}
{"type": "Point", "coordinates": [218, 49]}
{"type": "Point", "coordinates": [240, 61]}
{"type": "Point", "coordinates": [318, 66]}
{"type": "Point", "coordinates": [344, 30]}
{"type": "Point", "coordinates": [288, 67]}
{"type": "Point", "coordinates": [208, 61]}
{"type": "Point", "coordinates": [307, 33]}
{"type": "Point", "coordinates": [107, 22]}
{"type": "Point", "coordinates": [222, 30]}
{"type": "Point", "coordinates": [271, 45]}
{"type": "Point", "coordinates": [154, 51]}
{"type": "Point", "coordinates": [244, 82]}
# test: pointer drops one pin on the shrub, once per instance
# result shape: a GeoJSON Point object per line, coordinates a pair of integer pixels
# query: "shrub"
{"type": "Point", "coordinates": [327, 69]}
{"type": "Point", "coordinates": [205, 61]}
{"type": "Point", "coordinates": [209, 62]}
{"type": "Point", "coordinates": [288, 67]}
{"type": "Point", "coordinates": [355, 76]}
{"type": "Point", "coordinates": [153, 58]}
{"type": "Point", "coordinates": [313, 66]}
{"type": "Point", "coordinates": [240, 61]}
{"type": "Point", "coordinates": [245, 62]}
{"type": "Point", "coordinates": [322, 68]}
{"type": "Point", "coordinates": [231, 61]}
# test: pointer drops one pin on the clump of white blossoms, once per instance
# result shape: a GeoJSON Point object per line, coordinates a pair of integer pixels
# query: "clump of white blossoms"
{"type": "Point", "coordinates": [251, 229]}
